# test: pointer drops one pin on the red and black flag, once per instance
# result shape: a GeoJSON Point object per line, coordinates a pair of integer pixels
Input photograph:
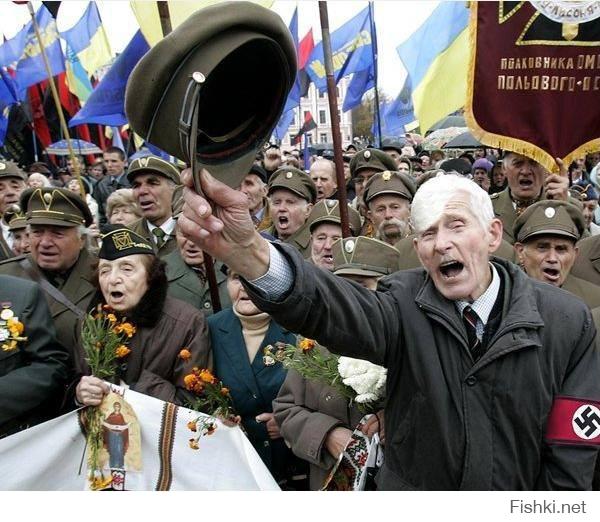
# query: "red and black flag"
{"type": "Point", "coordinates": [305, 48]}
{"type": "Point", "coordinates": [309, 124]}
{"type": "Point", "coordinates": [541, 60]}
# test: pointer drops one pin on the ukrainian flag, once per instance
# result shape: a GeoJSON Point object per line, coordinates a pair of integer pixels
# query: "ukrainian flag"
{"type": "Point", "coordinates": [87, 50]}
{"type": "Point", "coordinates": [436, 58]}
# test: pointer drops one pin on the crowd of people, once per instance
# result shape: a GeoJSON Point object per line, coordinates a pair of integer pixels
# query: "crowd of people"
{"type": "Point", "coordinates": [479, 346]}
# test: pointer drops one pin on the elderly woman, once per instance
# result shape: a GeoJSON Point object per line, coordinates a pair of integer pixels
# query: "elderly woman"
{"type": "Point", "coordinates": [122, 208]}
{"type": "Point", "coordinates": [239, 336]}
{"type": "Point", "coordinates": [38, 180]}
{"type": "Point", "coordinates": [132, 282]}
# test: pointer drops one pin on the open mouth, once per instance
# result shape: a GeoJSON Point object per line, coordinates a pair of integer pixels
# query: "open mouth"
{"type": "Point", "coordinates": [283, 221]}
{"type": "Point", "coordinates": [526, 183]}
{"type": "Point", "coordinates": [451, 269]}
{"type": "Point", "coordinates": [115, 296]}
{"type": "Point", "coordinates": [551, 274]}
{"type": "Point", "coordinates": [145, 205]}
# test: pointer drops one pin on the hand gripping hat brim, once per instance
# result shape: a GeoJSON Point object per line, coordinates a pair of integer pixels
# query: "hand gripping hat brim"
{"type": "Point", "coordinates": [245, 64]}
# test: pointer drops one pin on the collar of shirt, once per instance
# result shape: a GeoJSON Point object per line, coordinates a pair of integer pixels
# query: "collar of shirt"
{"type": "Point", "coordinates": [259, 215]}
{"type": "Point", "coordinates": [8, 237]}
{"type": "Point", "coordinates": [168, 227]}
{"type": "Point", "coordinates": [483, 305]}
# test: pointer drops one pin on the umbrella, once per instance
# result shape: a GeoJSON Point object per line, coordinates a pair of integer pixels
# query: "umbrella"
{"type": "Point", "coordinates": [437, 139]}
{"type": "Point", "coordinates": [463, 141]}
{"type": "Point", "coordinates": [449, 121]}
{"type": "Point", "coordinates": [61, 148]}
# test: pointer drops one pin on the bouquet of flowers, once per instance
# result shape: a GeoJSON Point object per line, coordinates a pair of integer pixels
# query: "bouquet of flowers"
{"type": "Point", "coordinates": [104, 340]}
{"type": "Point", "coordinates": [11, 330]}
{"type": "Point", "coordinates": [210, 396]}
{"type": "Point", "coordinates": [361, 382]}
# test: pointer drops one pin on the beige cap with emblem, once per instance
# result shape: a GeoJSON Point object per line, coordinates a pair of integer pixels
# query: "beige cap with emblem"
{"type": "Point", "coordinates": [371, 159]}
{"type": "Point", "coordinates": [156, 165]}
{"type": "Point", "coordinates": [55, 206]}
{"type": "Point", "coordinates": [549, 217]}
{"type": "Point", "coordinates": [294, 180]}
{"type": "Point", "coordinates": [328, 211]}
{"type": "Point", "coordinates": [364, 256]}
{"type": "Point", "coordinates": [389, 182]}
{"type": "Point", "coordinates": [9, 169]}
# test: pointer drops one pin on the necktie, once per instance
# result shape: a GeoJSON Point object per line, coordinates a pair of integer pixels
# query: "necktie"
{"type": "Point", "coordinates": [159, 233]}
{"type": "Point", "coordinates": [470, 319]}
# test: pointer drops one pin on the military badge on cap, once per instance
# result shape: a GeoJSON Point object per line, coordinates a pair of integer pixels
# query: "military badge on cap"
{"type": "Point", "coordinates": [288, 175]}
{"type": "Point", "coordinates": [550, 212]}
{"type": "Point", "coordinates": [2, 166]}
{"type": "Point", "coordinates": [367, 154]}
{"type": "Point", "coordinates": [349, 246]}
{"type": "Point", "coordinates": [387, 175]}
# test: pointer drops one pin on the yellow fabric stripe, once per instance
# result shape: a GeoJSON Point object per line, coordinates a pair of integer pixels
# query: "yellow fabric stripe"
{"type": "Point", "coordinates": [147, 15]}
{"type": "Point", "coordinates": [443, 89]}
{"type": "Point", "coordinates": [96, 54]}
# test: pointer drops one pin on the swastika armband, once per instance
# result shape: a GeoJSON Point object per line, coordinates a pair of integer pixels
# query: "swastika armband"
{"type": "Point", "coordinates": [574, 421]}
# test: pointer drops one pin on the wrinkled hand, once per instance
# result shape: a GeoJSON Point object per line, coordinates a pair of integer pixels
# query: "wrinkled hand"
{"type": "Point", "coordinates": [336, 441]}
{"type": "Point", "coordinates": [375, 425]}
{"type": "Point", "coordinates": [230, 422]}
{"type": "Point", "coordinates": [94, 231]}
{"type": "Point", "coordinates": [271, 425]}
{"type": "Point", "coordinates": [90, 390]}
{"type": "Point", "coordinates": [557, 184]}
{"type": "Point", "coordinates": [225, 230]}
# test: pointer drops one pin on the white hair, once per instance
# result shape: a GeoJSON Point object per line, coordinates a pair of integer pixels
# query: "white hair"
{"type": "Point", "coordinates": [433, 196]}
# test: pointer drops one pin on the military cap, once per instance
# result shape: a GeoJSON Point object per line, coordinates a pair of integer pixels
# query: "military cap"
{"type": "Point", "coordinates": [156, 165]}
{"type": "Point", "coordinates": [15, 218]}
{"type": "Point", "coordinates": [460, 165]}
{"type": "Point", "coordinates": [583, 191]}
{"type": "Point", "coordinates": [119, 241]}
{"type": "Point", "coordinates": [389, 182]}
{"type": "Point", "coordinates": [364, 256]}
{"type": "Point", "coordinates": [228, 67]}
{"type": "Point", "coordinates": [294, 180]}
{"type": "Point", "coordinates": [371, 159]}
{"type": "Point", "coordinates": [549, 217]}
{"type": "Point", "coordinates": [55, 206]}
{"type": "Point", "coordinates": [258, 171]}
{"type": "Point", "coordinates": [328, 211]}
{"type": "Point", "coordinates": [177, 201]}
{"type": "Point", "coordinates": [9, 169]}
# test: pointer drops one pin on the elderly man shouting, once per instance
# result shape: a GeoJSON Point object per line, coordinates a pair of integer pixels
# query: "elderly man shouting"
{"type": "Point", "coordinates": [488, 386]}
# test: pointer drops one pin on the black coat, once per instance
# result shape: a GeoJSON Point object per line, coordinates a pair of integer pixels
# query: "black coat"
{"type": "Point", "coordinates": [32, 376]}
{"type": "Point", "coordinates": [451, 423]}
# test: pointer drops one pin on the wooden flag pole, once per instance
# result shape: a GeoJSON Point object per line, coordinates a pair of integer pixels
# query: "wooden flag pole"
{"type": "Point", "coordinates": [61, 116]}
{"type": "Point", "coordinates": [335, 120]}
{"type": "Point", "coordinates": [209, 267]}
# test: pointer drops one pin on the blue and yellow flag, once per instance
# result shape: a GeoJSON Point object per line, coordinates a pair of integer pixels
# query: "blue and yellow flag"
{"type": "Point", "coordinates": [30, 68]}
{"type": "Point", "coordinates": [436, 58]}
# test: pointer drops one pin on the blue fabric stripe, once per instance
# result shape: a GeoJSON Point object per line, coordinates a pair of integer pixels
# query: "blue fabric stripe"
{"type": "Point", "coordinates": [436, 34]}
{"type": "Point", "coordinates": [80, 35]}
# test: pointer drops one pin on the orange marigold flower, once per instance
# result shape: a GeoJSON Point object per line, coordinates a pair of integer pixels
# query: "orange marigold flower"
{"type": "Point", "coordinates": [225, 391]}
{"type": "Point", "coordinates": [190, 381]}
{"type": "Point", "coordinates": [307, 344]}
{"type": "Point", "coordinates": [185, 354]}
{"type": "Point", "coordinates": [194, 444]}
{"type": "Point", "coordinates": [192, 425]}
{"type": "Point", "coordinates": [210, 429]}
{"type": "Point", "coordinates": [112, 318]}
{"type": "Point", "coordinates": [122, 351]}
{"type": "Point", "coordinates": [15, 326]}
{"type": "Point", "coordinates": [207, 376]}
{"type": "Point", "coordinates": [10, 346]}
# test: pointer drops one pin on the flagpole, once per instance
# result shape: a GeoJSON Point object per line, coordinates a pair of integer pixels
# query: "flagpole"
{"type": "Point", "coordinates": [209, 267]}
{"type": "Point", "coordinates": [375, 73]}
{"type": "Point", "coordinates": [335, 120]}
{"type": "Point", "coordinates": [61, 116]}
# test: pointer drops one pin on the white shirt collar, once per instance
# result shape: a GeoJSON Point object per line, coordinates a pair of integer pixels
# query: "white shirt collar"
{"type": "Point", "coordinates": [168, 226]}
{"type": "Point", "coordinates": [483, 305]}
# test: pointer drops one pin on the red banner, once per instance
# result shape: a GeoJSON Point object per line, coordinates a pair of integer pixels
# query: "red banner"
{"type": "Point", "coordinates": [534, 78]}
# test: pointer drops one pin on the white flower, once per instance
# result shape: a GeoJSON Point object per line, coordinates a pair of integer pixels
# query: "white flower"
{"type": "Point", "coordinates": [365, 378]}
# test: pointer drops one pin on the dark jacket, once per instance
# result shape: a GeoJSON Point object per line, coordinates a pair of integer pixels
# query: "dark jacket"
{"type": "Point", "coordinates": [32, 376]}
{"type": "Point", "coordinates": [104, 188]}
{"type": "Point", "coordinates": [78, 287]}
{"type": "Point", "coordinates": [185, 285]}
{"type": "Point", "coordinates": [451, 423]}
{"type": "Point", "coordinates": [253, 386]}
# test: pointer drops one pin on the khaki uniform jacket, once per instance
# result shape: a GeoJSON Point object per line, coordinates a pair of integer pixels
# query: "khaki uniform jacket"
{"type": "Point", "coordinates": [588, 292]}
{"type": "Point", "coordinates": [185, 285]}
{"type": "Point", "coordinates": [306, 412]}
{"type": "Point", "coordinates": [452, 423]}
{"type": "Point", "coordinates": [587, 263]}
{"type": "Point", "coordinates": [33, 375]}
{"type": "Point", "coordinates": [409, 258]}
{"type": "Point", "coordinates": [78, 288]}
{"type": "Point", "coordinates": [300, 240]}
{"type": "Point", "coordinates": [5, 251]}
{"type": "Point", "coordinates": [141, 227]}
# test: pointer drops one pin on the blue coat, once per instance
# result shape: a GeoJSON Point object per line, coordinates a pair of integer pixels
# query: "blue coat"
{"type": "Point", "coordinates": [253, 386]}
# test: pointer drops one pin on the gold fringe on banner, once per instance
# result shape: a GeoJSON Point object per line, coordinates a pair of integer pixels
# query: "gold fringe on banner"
{"type": "Point", "coordinates": [507, 142]}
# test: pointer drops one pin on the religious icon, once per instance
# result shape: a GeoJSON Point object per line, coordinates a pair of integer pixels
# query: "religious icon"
{"type": "Point", "coordinates": [116, 437]}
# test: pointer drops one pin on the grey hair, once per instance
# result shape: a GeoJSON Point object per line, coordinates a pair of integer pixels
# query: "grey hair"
{"type": "Point", "coordinates": [433, 196]}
